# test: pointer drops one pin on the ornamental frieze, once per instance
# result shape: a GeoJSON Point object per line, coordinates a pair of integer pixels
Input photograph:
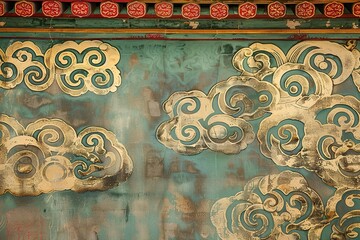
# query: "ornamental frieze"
{"type": "Point", "coordinates": [182, 10]}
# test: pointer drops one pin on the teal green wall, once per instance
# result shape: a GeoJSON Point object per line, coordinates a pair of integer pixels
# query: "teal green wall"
{"type": "Point", "coordinates": [169, 195]}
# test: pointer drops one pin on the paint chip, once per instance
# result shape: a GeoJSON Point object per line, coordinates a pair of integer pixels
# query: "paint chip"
{"type": "Point", "coordinates": [328, 23]}
{"type": "Point", "coordinates": [154, 108]}
{"type": "Point", "coordinates": [292, 24]}
{"type": "Point", "coordinates": [194, 25]}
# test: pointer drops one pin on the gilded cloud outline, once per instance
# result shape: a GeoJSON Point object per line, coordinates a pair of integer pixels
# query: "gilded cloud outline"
{"type": "Point", "coordinates": [49, 155]}
{"type": "Point", "coordinates": [319, 132]}
{"type": "Point", "coordinates": [76, 67]}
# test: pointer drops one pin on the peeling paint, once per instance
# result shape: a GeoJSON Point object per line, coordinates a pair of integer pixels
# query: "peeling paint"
{"type": "Point", "coordinates": [154, 108]}
{"type": "Point", "coordinates": [292, 24]}
{"type": "Point", "coordinates": [193, 25]}
{"type": "Point", "coordinates": [328, 23]}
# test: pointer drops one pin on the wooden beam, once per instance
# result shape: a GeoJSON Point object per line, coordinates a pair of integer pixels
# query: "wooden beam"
{"type": "Point", "coordinates": [179, 31]}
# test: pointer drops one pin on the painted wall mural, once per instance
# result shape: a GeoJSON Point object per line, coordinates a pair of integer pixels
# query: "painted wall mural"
{"type": "Point", "coordinates": [306, 127]}
{"type": "Point", "coordinates": [77, 68]}
{"type": "Point", "coordinates": [219, 139]}
{"type": "Point", "coordinates": [50, 156]}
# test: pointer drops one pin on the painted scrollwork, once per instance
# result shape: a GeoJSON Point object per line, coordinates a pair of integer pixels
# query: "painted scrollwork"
{"type": "Point", "coordinates": [255, 62]}
{"type": "Point", "coordinates": [356, 53]}
{"type": "Point", "coordinates": [323, 138]}
{"type": "Point", "coordinates": [49, 155]}
{"type": "Point", "coordinates": [303, 124]}
{"type": "Point", "coordinates": [297, 81]}
{"type": "Point", "coordinates": [279, 206]}
{"type": "Point", "coordinates": [24, 61]}
{"type": "Point", "coordinates": [216, 121]}
{"type": "Point", "coordinates": [76, 67]}
{"type": "Point", "coordinates": [270, 81]}
{"type": "Point", "coordinates": [218, 133]}
{"type": "Point", "coordinates": [244, 97]}
{"type": "Point", "coordinates": [333, 59]}
{"type": "Point", "coordinates": [87, 66]}
{"type": "Point", "coordinates": [330, 58]}
{"type": "Point", "coordinates": [342, 216]}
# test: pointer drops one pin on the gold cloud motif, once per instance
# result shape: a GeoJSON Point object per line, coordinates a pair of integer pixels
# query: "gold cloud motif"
{"type": "Point", "coordinates": [333, 59]}
{"type": "Point", "coordinates": [270, 81]}
{"type": "Point", "coordinates": [216, 121]}
{"type": "Point", "coordinates": [49, 155]}
{"type": "Point", "coordinates": [87, 66]}
{"type": "Point", "coordinates": [76, 67]}
{"type": "Point", "coordinates": [24, 61]}
{"type": "Point", "coordinates": [308, 126]}
{"type": "Point", "coordinates": [278, 206]}
{"type": "Point", "coordinates": [342, 216]}
{"type": "Point", "coordinates": [323, 138]}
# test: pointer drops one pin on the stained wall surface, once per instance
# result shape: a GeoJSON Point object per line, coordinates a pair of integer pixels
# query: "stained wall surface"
{"type": "Point", "coordinates": [156, 139]}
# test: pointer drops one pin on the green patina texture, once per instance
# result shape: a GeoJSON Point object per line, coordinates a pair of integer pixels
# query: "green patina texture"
{"type": "Point", "coordinates": [126, 23]}
{"type": "Point", "coordinates": [169, 195]}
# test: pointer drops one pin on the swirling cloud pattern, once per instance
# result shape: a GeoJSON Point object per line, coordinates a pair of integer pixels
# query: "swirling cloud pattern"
{"type": "Point", "coordinates": [342, 214]}
{"type": "Point", "coordinates": [24, 61]}
{"type": "Point", "coordinates": [307, 126]}
{"type": "Point", "coordinates": [216, 121]}
{"type": "Point", "coordinates": [323, 138]}
{"type": "Point", "coordinates": [278, 206]}
{"type": "Point", "coordinates": [76, 67]}
{"type": "Point", "coordinates": [271, 81]}
{"type": "Point", "coordinates": [302, 124]}
{"type": "Point", "coordinates": [49, 155]}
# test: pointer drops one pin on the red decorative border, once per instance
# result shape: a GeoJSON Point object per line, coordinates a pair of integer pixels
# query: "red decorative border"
{"type": "Point", "coordinates": [3, 8]}
{"type": "Point", "coordinates": [276, 10]}
{"type": "Point", "coordinates": [24, 9]}
{"type": "Point", "coordinates": [190, 11]}
{"type": "Point", "coordinates": [219, 10]}
{"type": "Point", "coordinates": [109, 9]}
{"type": "Point", "coordinates": [334, 10]}
{"type": "Point", "coordinates": [136, 9]}
{"type": "Point", "coordinates": [164, 9]}
{"type": "Point", "coordinates": [247, 10]}
{"type": "Point", "coordinates": [305, 10]}
{"type": "Point", "coordinates": [356, 9]}
{"type": "Point", "coordinates": [81, 9]}
{"type": "Point", "coordinates": [52, 8]}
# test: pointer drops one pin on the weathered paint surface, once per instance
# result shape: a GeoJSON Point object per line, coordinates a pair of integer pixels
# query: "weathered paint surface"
{"type": "Point", "coordinates": [276, 157]}
{"type": "Point", "coordinates": [176, 23]}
